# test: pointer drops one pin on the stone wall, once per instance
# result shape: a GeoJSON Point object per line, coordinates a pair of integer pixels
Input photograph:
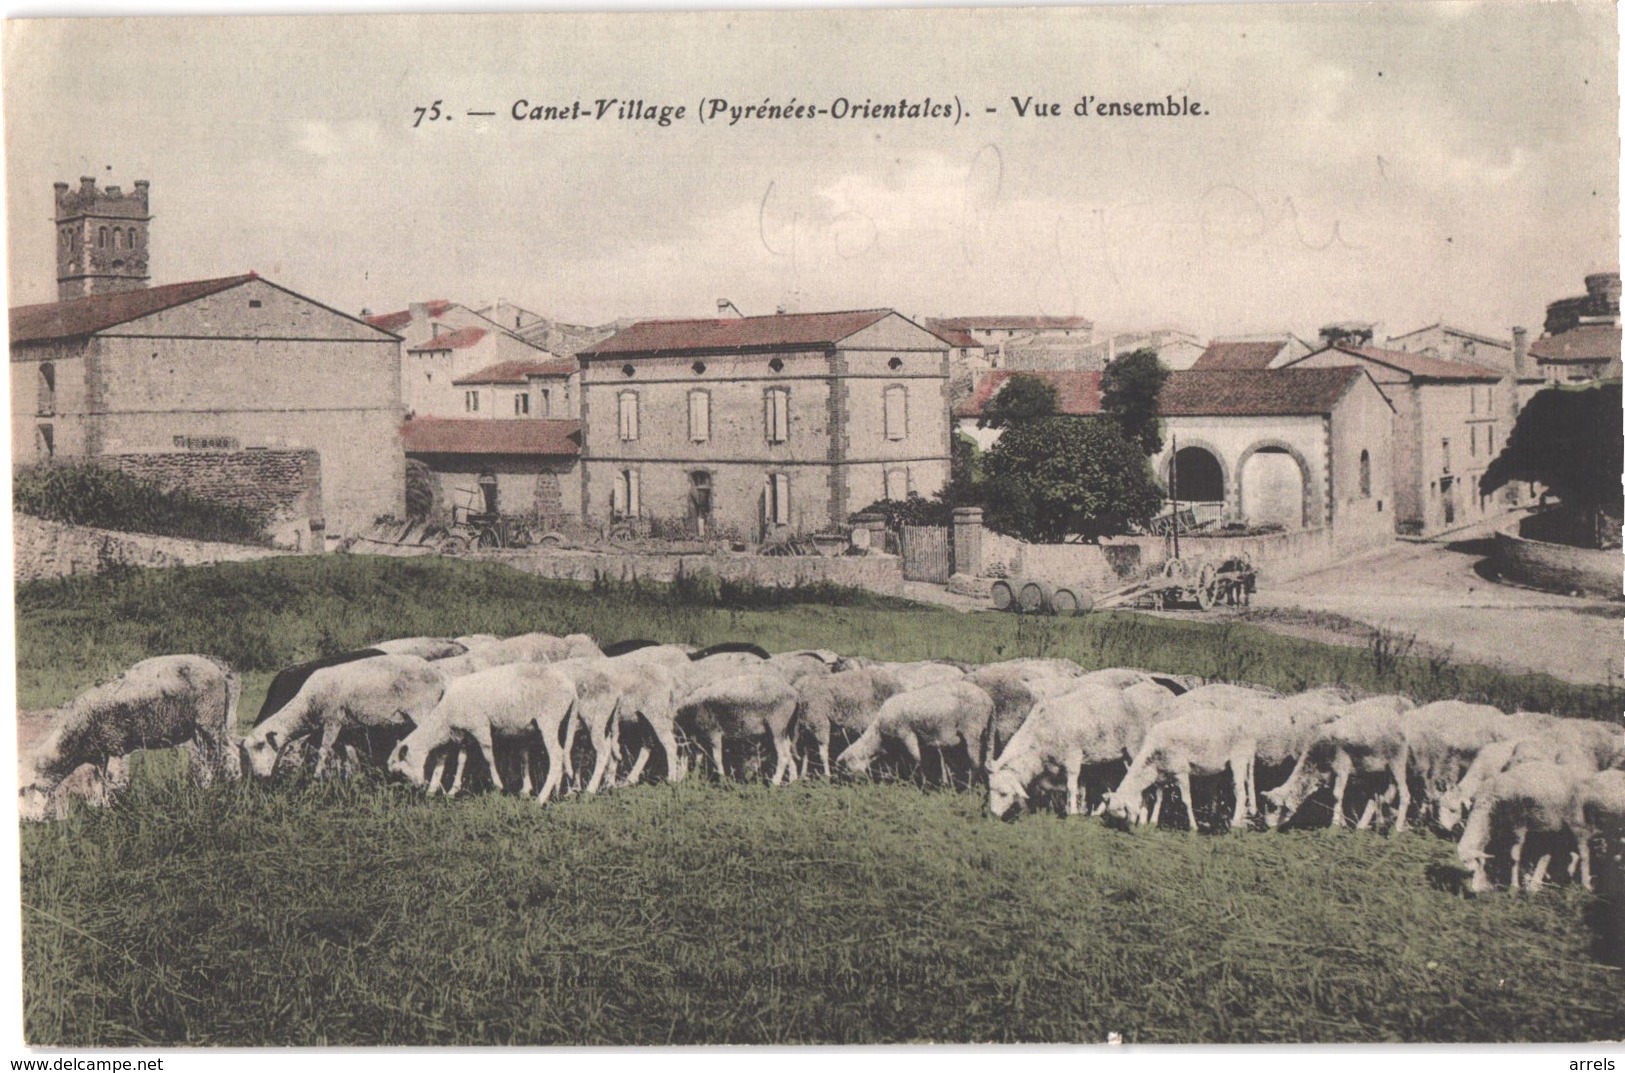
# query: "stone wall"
{"type": "Point", "coordinates": [877, 573]}
{"type": "Point", "coordinates": [284, 484]}
{"type": "Point", "coordinates": [1557, 567]}
{"type": "Point", "coordinates": [50, 549]}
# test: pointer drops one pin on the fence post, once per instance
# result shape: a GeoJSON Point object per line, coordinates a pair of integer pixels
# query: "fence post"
{"type": "Point", "coordinates": [967, 537]}
{"type": "Point", "coordinates": [876, 524]}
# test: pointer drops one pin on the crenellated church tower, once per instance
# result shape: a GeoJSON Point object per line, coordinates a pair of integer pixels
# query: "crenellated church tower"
{"type": "Point", "coordinates": [101, 239]}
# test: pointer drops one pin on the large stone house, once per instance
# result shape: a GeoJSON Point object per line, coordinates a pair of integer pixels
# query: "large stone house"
{"type": "Point", "coordinates": [1297, 448]}
{"type": "Point", "coordinates": [1450, 419]}
{"type": "Point", "coordinates": [759, 425]}
{"type": "Point", "coordinates": [214, 368]}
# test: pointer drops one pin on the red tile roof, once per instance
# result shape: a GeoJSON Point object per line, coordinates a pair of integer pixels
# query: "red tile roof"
{"type": "Point", "coordinates": [516, 372]}
{"type": "Point", "coordinates": [1590, 342]}
{"type": "Point", "coordinates": [1077, 394]}
{"type": "Point", "coordinates": [491, 436]}
{"type": "Point", "coordinates": [1255, 392]}
{"type": "Point", "coordinates": [392, 321]}
{"type": "Point", "coordinates": [958, 337]}
{"type": "Point", "coordinates": [98, 312]}
{"type": "Point", "coordinates": [1417, 366]}
{"type": "Point", "coordinates": [455, 340]}
{"type": "Point", "coordinates": [783, 331]}
{"type": "Point", "coordinates": [1018, 323]}
{"type": "Point", "coordinates": [1196, 393]}
{"type": "Point", "coordinates": [1256, 354]}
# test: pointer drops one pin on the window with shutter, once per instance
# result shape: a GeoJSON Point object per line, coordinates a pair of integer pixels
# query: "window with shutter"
{"type": "Point", "coordinates": [776, 415]}
{"type": "Point", "coordinates": [896, 412]}
{"type": "Point", "coordinates": [699, 416]}
{"type": "Point", "coordinates": [629, 415]}
{"type": "Point", "coordinates": [781, 499]}
{"type": "Point", "coordinates": [632, 498]}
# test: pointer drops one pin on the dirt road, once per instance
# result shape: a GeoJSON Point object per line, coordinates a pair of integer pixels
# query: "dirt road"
{"type": "Point", "coordinates": [1436, 592]}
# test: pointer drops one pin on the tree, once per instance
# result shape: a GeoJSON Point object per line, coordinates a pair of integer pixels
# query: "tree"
{"type": "Point", "coordinates": [1571, 441]}
{"type": "Point", "coordinates": [1129, 387]}
{"type": "Point", "coordinates": [1053, 478]}
{"type": "Point", "coordinates": [1022, 398]}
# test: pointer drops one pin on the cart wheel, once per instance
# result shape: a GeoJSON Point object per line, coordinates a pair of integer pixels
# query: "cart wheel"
{"type": "Point", "coordinates": [551, 540]}
{"type": "Point", "coordinates": [490, 538]}
{"type": "Point", "coordinates": [1206, 588]}
{"type": "Point", "coordinates": [454, 545]}
{"type": "Point", "coordinates": [622, 533]}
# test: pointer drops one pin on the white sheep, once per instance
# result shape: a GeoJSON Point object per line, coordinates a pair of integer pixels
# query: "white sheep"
{"type": "Point", "coordinates": [1536, 797]}
{"type": "Point", "coordinates": [158, 703]}
{"type": "Point", "coordinates": [954, 715]}
{"type": "Point", "coordinates": [1597, 811]}
{"type": "Point", "coordinates": [424, 647]}
{"type": "Point", "coordinates": [1367, 739]}
{"type": "Point", "coordinates": [1203, 741]}
{"type": "Point", "coordinates": [387, 693]}
{"type": "Point", "coordinates": [521, 702]}
{"type": "Point", "coordinates": [756, 704]}
{"type": "Point", "coordinates": [843, 703]}
{"type": "Point", "coordinates": [1088, 725]}
{"type": "Point", "coordinates": [613, 692]}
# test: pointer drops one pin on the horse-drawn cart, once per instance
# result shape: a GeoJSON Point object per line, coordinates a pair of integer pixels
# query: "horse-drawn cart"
{"type": "Point", "coordinates": [1202, 582]}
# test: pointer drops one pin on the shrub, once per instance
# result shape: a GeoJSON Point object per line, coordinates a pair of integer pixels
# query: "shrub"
{"type": "Point", "coordinates": [88, 494]}
{"type": "Point", "coordinates": [915, 510]}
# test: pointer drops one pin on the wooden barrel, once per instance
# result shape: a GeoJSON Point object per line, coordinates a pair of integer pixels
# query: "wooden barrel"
{"type": "Point", "coordinates": [1004, 595]}
{"type": "Point", "coordinates": [1034, 597]}
{"type": "Point", "coordinates": [1071, 600]}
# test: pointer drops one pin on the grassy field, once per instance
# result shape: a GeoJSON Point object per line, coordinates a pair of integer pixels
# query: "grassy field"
{"type": "Point", "coordinates": [362, 913]}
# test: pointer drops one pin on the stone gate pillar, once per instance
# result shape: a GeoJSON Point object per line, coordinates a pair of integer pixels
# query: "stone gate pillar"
{"type": "Point", "coordinates": [967, 537]}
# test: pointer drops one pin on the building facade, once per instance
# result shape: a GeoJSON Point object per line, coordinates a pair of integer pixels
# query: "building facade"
{"type": "Point", "coordinates": [1450, 419]}
{"type": "Point", "coordinates": [756, 426]}
{"type": "Point", "coordinates": [101, 239]}
{"type": "Point", "coordinates": [215, 365]}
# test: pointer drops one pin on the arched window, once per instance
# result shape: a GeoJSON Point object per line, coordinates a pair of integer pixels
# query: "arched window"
{"type": "Point", "coordinates": [1365, 474]}
{"type": "Point", "coordinates": [101, 238]}
{"type": "Point", "coordinates": [1196, 475]}
{"type": "Point", "coordinates": [118, 236]}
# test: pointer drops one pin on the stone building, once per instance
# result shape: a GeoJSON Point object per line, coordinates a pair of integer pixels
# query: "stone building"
{"type": "Point", "coordinates": [1582, 337]}
{"type": "Point", "coordinates": [1251, 352]}
{"type": "Point", "coordinates": [1023, 342]}
{"type": "Point", "coordinates": [1298, 448]}
{"type": "Point", "coordinates": [756, 425]}
{"type": "Point", "coordinates": [520, 466]}
{"type": "Point", "coordinates": [101, 239]}
{"type": "Point", "coordinates": [220, 365]}
{"type": "Point", "coordinates": [451, 353]}
{"type": "Point", "coordinates": [1450, 419]}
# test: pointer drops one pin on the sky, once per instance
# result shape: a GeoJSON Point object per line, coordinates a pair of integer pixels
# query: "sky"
{"type": "Point", "coordinates": [1397, 163]}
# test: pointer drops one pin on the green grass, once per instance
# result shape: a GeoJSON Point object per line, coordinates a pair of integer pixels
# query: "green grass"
{"type": "Point", "coordinates": [364, 914]}
{"type": "Point", "coordinates": [80, 493]}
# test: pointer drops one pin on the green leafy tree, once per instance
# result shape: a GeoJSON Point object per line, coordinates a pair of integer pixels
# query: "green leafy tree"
{"type": "Point", "coordinates": [1022, 398]}
{"type": "Point", "coordinates": [1570, 440]}
{"type": "Point", "coordinates": [1053, 479]}
{"type": "Point", "coordinates": [1129, 388]}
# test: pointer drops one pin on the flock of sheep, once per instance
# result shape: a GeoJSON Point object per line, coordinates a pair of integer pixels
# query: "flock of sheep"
{"type": "Point", "coordinates": [1112, 740]}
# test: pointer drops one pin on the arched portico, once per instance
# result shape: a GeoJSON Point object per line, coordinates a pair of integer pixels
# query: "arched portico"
{"type": "Point", "coordinates": [1268, 489]}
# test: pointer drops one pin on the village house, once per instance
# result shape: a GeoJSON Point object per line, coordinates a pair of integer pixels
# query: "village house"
{"type": "Point", "coordinates": [1294, 448]}
{"type": "Point", "coordinates": [213, 368]}
{"type": "Point", "coordinates": [1450, 420]}
{"type": "Point", "coordinates": [1022, 342]}
{"type": "Point", "coordinates": [1581, 343]}
{"type": "Point", "coordinates": [529, 467]}
{"type": "Point", "coordinates": [757, 426]}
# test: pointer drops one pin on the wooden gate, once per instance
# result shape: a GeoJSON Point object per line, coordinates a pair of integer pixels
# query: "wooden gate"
{"type": "Point", "coordinates": [927, 553]}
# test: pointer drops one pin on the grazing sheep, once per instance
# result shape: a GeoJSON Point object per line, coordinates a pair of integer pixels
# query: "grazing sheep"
{"type": "Point", "coordinates": [1561, 744]}
{"type": "Point", "coordinates": [471, 641]}
{"type": "Point", "coordinates": [843, 703]}
{"type": "Point", "coordinates": [1536, 797]}
{"type": "Point", "coordinates": [752, 705]}
{"type": "Point", "coordinates": [1443, 737]}
{"type": "Point", "coordinates": [1088, 725]}
{"type": "Point", "coordinates": [1203, 741]}
{"type": "Point", "coordinates": [957, 714]}
{"type": "Point", "coordinates": [430, 648]}
{"type": "Point", "coordinates": [1597, 811]}
{"type": "Point", "coordinates": [1220, 696]}
{"type": "Point", "coordinates": [519, 702]}
{"type": "Point", "coordinates": [388, 693]}
{"type": "Point", "coordinates": [290, 680]}
{"type": "Point", "coordinates": [923, 673]}
{"type": "Point", "coordinates": [1367, 739]}
{"type": "Point", "coordinates": [614, 692]}
{"type": "Point", "coordinates": [158, 703]}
